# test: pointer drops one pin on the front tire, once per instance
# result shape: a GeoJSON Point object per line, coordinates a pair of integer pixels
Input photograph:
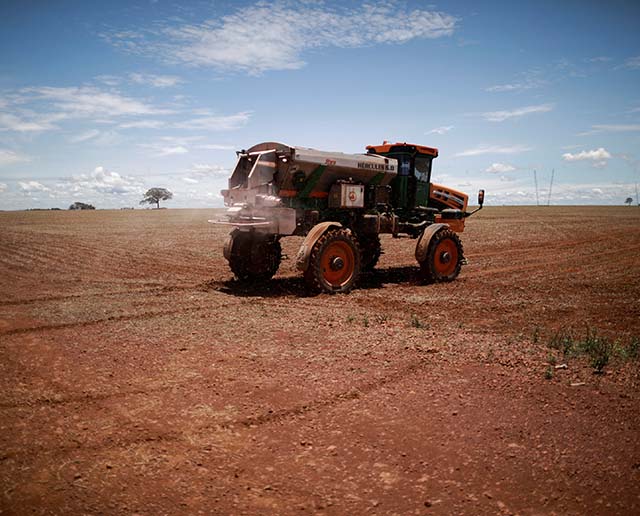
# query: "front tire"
{"type": "Point", "coordinates": [254, 257]}
{"type": "Point", "coordinates": [334, 263]}
{"type": "Point", "coordinates": [370, 251]}
{"type": "Point", "coordinates": [444, 258]}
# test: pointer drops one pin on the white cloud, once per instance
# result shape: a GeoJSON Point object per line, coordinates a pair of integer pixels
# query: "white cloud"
{"type": "Point", "coordinates": [599, 59]}
{"type": "Point", "coordinates": [8, 157]}
{"type": "Point", "coordinates": [632, 63]}
{"type": "Point", "coordinates": [440, 130]}
{"type": "Point", "coordinates": [215, 123]}
{"type": "Point", "coordinates": [517, 86]}
{"type": "Point", "coordinates": [87, 101]}
{"type": "Point", "coordinates": [597, 155]}
{"type": "Point", "coordinates": [95, 137]}
{"type": "Point", "coordinates": [171, 145]}
{"type": "Point", "coordinates": [597, 191]}
{"type": "Point", "coordinates": [501, 116]}
{"type": "Point", "coordinates": [202, 170]}
{"type": "Point", "coordinates": [172, 150]}
{"type": "Point", "coordinates": [216, 146]}
{"type": "Point", "coordinates": [611, 128]}
{"type": "Point", "coordinates": [3, 187]}
{"type": "Point", "coordinates": [157, 81]}
{"type": "Point", "coordinates": [28, 187]}
{"type": "Point", "coordinates": [204, 173]}
{"type": "Point", "coordinates": [493, 149]}
{"type": "Point", "coordinates": [528, 80]}
{"type": "Point", "coordinates": [274, 36]}
{"type": "Point", "coordinates": [500, 168]}
{"type": "Point", "coordinates": [101, 181]}
{"type": "Point", "coordinates": [83, 137]}
{"type": "Point", "coordinates": [144, 124]}
{"type": "Point", "coordinates": [109, 80]}
{"type": "Point", "coordinates": [27, 121]}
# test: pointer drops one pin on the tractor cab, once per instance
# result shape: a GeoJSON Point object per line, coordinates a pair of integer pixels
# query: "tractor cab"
{"type": "Point", "coordinates": [411, 186]}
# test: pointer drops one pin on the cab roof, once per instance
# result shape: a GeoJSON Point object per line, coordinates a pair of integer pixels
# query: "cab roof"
{"type": "Point", "coordinates": [386, 147]}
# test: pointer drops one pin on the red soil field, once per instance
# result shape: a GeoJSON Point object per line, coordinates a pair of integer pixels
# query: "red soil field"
{"type": "Point", "coordinates": [137, 377]}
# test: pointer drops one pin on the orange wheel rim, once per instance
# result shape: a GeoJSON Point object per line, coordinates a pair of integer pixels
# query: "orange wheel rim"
{"type": "Point", "coordinates": [337, 262]}
{"type": "Point", "coordinates": [445, 259]}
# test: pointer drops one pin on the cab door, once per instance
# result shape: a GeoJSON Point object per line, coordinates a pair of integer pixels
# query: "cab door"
{"type": "Point", "coordinates": [422, 173]}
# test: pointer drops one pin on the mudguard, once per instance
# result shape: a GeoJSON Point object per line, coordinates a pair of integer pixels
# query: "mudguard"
{"type": "Point", "coordinates": [302, 258]}
{"type": "Point", "coordinates": [425, 238]}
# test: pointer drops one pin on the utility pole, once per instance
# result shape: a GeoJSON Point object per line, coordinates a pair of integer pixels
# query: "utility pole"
{"type": "Point", "coordinates": [637, 199]}
{"type": "Point", "coordinates": [553, 171]}
{"type": "Point", "coordinates": [535, 180]}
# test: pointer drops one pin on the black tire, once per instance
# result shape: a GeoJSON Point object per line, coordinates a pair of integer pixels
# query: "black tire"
{"type": "Point", "coordinates": [334, 263]}
{"type": "Point", "coordinates": [254, 257]}
{"type": "Point", "coordinates": [444, 258]}
{"type": "Point", "coordinates": [370, 251]}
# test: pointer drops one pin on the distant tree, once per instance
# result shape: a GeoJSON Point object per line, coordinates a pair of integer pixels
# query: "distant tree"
{"type": "Point", "coordinates": [628, 201]}
{"type": "Point", "coordinates": [155, 195]}
{"type": "Point", "coordinates": [81, 206]}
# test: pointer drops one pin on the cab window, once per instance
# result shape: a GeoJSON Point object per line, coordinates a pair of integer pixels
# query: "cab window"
{"type": "Point", "coordinates": [404, 164]}
{"type": "Point", "coordinates": [423, 168]}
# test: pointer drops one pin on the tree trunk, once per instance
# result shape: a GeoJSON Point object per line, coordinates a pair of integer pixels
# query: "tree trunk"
{"type": "Point", "coordinates": [158, 205]}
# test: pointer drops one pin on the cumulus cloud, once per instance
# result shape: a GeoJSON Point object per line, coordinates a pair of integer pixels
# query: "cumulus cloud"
{"type": "Point", "coordinates": [500, 168]}
{"type": "Point", "coordinates": [596, 155]}
{"type": "Point", "coordinates": [501, 116]}
{"type": "Point", "coordinates": [29, 187]}
{"type": "Point", "coordinates": [493, 149]}
{"type": "Point", "coordinates": [3, 187]}
{"type": "Point", "coordinates": [101, 181]}
{"type": "Point", "coordinates": [9, 157]}
{"type": "Point", "coordinates": [440, 130]}
{"type": "Point", "coordinates": [274, 36]}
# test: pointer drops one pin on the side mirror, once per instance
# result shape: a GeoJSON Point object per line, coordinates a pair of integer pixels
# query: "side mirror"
{"type": "Point", "coordinates": [480, 197]}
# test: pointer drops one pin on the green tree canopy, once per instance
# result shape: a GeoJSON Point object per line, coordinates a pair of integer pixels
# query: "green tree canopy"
{"type": "Point", "coordinates": [155, 195]}
{"type": "Point", "coordinates": [81, 206]}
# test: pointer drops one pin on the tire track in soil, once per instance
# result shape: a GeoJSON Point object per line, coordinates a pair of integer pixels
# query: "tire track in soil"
{"type": "Point", "coordinates": [528, 265]}
{"type": "Point", "coordinates": [45, 299]}
{"type": "Point", "coordinates": [277, 416]}
{"type": "Point", "coordinates": [114, 318]}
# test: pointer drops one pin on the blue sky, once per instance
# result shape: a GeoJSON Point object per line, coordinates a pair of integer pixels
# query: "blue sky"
{"type": "Point", "coordinates": [101, 100]}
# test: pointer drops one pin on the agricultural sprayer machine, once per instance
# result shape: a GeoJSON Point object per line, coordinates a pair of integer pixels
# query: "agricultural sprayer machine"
{"type": "Point", "coordinates": [340, 203]}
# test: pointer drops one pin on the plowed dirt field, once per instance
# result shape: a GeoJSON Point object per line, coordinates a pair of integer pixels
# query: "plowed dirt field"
{"type": "Point", "coordinates": [137, 377]}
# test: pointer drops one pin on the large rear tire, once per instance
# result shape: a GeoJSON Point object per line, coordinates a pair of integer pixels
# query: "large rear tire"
{"type": "Point", "coordinates": [254, 257]}
{"type": "Point", "coordinates": [334, 263]}
{"type": "Point", "coordinates": [444, 257]}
